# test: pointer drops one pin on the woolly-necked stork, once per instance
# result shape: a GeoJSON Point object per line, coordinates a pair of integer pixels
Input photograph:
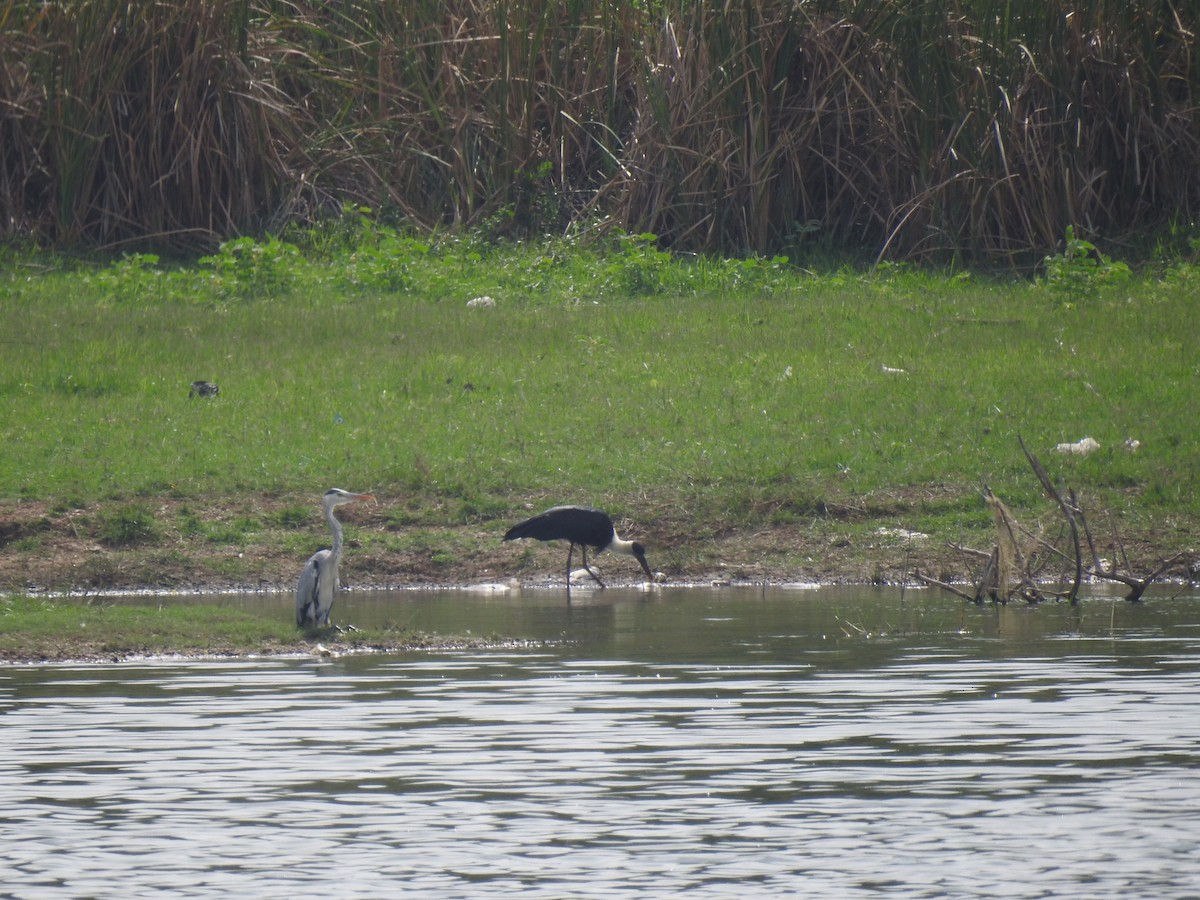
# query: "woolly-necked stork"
{"type": "Point", "coordinates": [579, 525]}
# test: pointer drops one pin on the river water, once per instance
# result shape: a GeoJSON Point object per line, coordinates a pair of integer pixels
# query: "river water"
{"type": "Point", "coordinates": [833, 742]}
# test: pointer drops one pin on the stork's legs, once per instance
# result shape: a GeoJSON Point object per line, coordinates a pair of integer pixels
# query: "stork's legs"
{"type": "Point", "coordinates": [570, 551]}
{"type": "Point", "coordinates": [587, 568]}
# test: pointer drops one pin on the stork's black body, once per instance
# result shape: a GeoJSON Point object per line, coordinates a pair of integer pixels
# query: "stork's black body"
{"type": "Point", "coordinates": [579, 526]}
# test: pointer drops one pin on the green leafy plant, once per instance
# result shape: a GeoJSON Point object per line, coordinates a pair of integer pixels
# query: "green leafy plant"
{"type": "Point", "coordinates": [244, 267]}
{"type": "Point", "coordinates": [386, 263]}
{"type": "Point", "coordinates": [135, 276]}
{"type": "Point", "coordinates": [638, 267]}
{"type": "Point", "coordinates": [1081, 269]}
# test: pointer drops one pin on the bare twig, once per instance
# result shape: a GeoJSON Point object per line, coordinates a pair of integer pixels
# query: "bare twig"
{"type": "Point", "coordinates": [1138, 585]}
{"type": "Point", "coordinates": [933, 582]}
{"type": "Point", "coordinates": [1068, 514]}
{"type": "Point", "coordinates": [971, 551]}
{"type": "Point", "coordinates": [1087, 531]}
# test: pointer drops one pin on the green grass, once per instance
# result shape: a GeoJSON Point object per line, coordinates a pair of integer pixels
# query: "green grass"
{"type": "Point", "coordinates": [127, 525]}
{"type": "Point", "coordinates": [729, 391]}
{"type": "Point", "coordinates": [33, 628]}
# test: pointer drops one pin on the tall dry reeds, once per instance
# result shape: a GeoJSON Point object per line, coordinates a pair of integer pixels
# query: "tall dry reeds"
{"type": "Point", "coordinates": [904, 129]}
{"type": "Point", "coordinates": [127, 121]}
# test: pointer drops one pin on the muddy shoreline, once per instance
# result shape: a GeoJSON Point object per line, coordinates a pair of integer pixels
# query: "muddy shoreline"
{"type": "Point", "coordinates": [43, 551]}
{"type": "Point", "coordinates": [47, 553]}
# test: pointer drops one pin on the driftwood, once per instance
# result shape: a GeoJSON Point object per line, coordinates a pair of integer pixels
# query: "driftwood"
{"type": "Point", "coordinates": [1015, 567]}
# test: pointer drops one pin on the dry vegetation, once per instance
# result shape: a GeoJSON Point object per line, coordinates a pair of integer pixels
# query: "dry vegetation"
{"type": "Point", "coordinates": [1038, 563]}
{"type": "Point", "coordinates": [978, 130]}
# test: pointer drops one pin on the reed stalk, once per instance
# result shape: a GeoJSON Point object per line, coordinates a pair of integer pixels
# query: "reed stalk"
{"type": "Point", "coordinates": [938, 129]}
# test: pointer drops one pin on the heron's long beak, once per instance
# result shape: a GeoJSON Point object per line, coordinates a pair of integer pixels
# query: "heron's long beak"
{"type": "Point", "coordinates": [370, 497]}
{"type": "Point", "coordinates": [641, 557]}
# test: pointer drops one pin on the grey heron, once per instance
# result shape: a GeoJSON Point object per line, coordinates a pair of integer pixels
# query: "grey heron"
{"type": "Point", "coordinates": [319, 584]}
{"type": "Point", "coordinates": [582, 526]}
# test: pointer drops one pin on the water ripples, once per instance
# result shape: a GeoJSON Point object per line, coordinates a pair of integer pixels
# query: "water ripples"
{"type": "Point", "coordinates": [935, 769]}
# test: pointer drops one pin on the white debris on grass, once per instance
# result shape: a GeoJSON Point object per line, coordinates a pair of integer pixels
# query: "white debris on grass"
{"type": "Point", "coordinates": [902, 533]}
{"type": "Point", "coordinates": [1079, 448]}
{"type": "Point", "coordinates": [484, 302]}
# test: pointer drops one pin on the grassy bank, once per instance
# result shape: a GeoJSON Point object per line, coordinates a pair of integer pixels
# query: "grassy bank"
{"type": "Point", "coordinates": [705, 401]}
{"type": "Point", "coordinates": [33, 630]}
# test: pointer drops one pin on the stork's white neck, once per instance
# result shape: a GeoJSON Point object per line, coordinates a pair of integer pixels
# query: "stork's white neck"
{"type": "Point", "coordinates": [616, 545]}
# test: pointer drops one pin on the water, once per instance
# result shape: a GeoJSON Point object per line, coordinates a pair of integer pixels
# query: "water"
{"type": "Point", "coordinates": [807, 743]}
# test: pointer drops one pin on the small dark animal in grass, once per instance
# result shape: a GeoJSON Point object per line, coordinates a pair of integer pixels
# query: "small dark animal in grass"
{"type": "Point", "coordinates": [579, 525]}
{"type": "Point", "coordinates": [319, 581]}
{"type": "Point", "coordinates": [203, 389]}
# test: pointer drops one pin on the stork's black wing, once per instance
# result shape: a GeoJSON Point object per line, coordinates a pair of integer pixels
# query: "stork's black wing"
{"type": "Point", "coordinates": [576, 524]}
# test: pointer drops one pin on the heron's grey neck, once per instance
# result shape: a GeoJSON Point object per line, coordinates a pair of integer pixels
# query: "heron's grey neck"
{"type": "Point", "coordinates": [336, 527]}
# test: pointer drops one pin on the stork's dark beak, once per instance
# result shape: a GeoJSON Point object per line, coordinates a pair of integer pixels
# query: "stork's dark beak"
{"type": "Point", "coordinates": [641, 557]}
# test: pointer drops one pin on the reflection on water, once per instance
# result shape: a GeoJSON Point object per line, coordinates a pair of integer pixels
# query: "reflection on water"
{"type": "Point", "coordinates": [843, 742]}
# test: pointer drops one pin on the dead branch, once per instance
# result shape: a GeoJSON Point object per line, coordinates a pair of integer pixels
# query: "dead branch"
{"type": "Point", "coordinates": [933, 582]}
{"type": "Point", "coordinates": [1138, 585]}
{"type": "Point", "coordinates": [1087, 531]}
{"type": "Point", "coordinates": [970, 551]}
{"type": "Point", "coordinates": [1044, 478]}
{"type": "Point", "coordinates": [1012, 567]}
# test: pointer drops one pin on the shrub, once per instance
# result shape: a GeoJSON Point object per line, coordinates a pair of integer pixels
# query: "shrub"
{"type": "Point", "coordinates": [1081, 269]}
{"type": "Point", "coordinates": [245, 267]}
